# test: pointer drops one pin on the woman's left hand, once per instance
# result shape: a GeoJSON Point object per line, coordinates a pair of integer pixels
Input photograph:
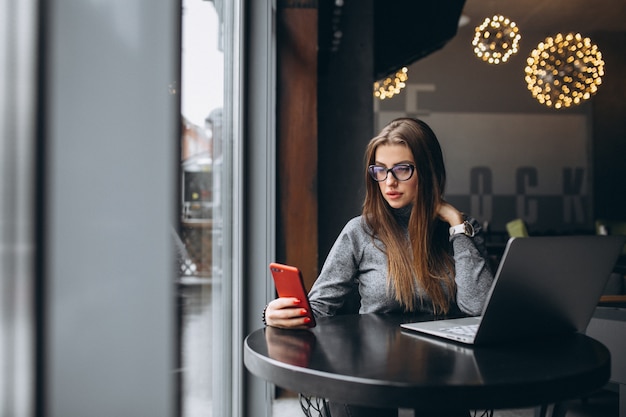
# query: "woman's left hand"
{"type": "Point", "coordinates": [449, 214]}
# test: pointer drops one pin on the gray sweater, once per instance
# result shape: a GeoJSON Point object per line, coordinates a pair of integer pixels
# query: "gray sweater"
{"type": "Point", "coordinates": [356, 268]}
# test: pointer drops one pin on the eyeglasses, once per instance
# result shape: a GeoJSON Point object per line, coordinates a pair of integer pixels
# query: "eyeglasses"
{"type": "Point", "coordinates": [401, 172]}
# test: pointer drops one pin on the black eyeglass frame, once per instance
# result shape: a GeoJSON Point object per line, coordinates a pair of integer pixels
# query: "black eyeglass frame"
{"type": "Point", "coordinates": [371, 168]}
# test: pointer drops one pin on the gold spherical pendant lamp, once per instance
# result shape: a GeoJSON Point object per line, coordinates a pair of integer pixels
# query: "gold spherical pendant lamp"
{"type": "Point", "coordinates": [564, 70]}
{"type": "Point", "coordinates": [496, 39]}
{"type": "Point", "coordinates": [391, 86]}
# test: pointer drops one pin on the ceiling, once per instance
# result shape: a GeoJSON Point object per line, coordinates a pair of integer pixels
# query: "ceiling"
{"type": "Point", "coordinates": [426, 26]}
{"type": "Point", "coordinates": [552, 16]}
{"type": "Point", "coordinates": [420, 29]}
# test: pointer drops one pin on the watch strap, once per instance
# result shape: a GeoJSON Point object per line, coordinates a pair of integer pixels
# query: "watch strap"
{"type": "Point", "coordinates": [459, 228]}
{"type": "Point", "coordinates": [464, 228]}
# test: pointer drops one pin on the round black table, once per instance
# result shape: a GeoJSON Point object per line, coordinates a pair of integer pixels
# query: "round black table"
{"type": "Point", "coordinates": [369, 360]}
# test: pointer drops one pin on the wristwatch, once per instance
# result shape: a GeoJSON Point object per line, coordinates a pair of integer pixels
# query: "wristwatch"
{"type": "Point", "coordinates": [465, 228]}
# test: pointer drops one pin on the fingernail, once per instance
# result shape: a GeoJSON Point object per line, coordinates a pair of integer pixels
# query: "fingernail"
{"type": "Point", "coordinates": [303, 311]}
{"type": "Point", "coordinates": [307, 319]}
{"type": "Point", "coordinates": [296, 301]}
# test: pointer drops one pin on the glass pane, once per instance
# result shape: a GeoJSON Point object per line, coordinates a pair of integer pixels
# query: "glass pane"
{"type": "Point", "coordinates": [203, 345]}
{"type": "Point", "coordinates": [18, 62]}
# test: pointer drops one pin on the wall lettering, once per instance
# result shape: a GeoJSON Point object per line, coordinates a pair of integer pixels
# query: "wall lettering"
{"type": "Point", "coordinates": [481, 198]}
{"type": "Point", "coordinates": [573, 209]}
{"type": "Point", "coordinates": [526, 208]}
{"type": "Point", "coordinates": [564, 208]}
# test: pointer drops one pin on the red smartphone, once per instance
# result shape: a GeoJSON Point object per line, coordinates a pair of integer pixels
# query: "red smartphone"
{"type": "Point", "coordinates": [289, 283]}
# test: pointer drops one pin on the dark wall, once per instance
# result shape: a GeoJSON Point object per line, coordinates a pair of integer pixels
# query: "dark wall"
{"type": "Point", "coordinates": [345, 119]}
{"type": "Point", "coordinates": [609, 132]}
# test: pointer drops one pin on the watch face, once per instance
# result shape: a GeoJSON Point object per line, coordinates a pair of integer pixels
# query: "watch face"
{"type": "Point", "coordinates": [469, 229]}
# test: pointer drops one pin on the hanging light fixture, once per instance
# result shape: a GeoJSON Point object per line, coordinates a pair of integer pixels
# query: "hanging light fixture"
{"type": "Point", "coordinates": [496, 39]}
{"type": "Point", "coordinates": [391, 86]}
{"type": "Point", "coordinates": [564, 70]}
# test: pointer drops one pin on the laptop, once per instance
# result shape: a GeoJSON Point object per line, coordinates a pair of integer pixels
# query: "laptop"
{"type": "Point", "coordinates": [544, 286]}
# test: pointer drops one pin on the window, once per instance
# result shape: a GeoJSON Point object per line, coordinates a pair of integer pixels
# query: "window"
{"type": "Point", "coordinates": [206, 193]}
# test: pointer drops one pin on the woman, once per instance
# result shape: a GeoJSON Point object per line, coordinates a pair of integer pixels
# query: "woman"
{"type": "Point", "coordinates": [409, 251]}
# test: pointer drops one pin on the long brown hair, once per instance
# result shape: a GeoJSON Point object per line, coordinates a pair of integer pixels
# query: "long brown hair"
{"type": "Point", "coordinates": [426, 262]}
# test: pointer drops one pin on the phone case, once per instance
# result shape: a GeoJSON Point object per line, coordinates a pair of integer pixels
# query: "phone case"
{"type": "Point", "coordinates": [289, 283]}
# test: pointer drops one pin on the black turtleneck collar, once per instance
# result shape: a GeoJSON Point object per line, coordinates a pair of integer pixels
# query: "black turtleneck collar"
{"type": "Point", "coordinates": [402, 215]}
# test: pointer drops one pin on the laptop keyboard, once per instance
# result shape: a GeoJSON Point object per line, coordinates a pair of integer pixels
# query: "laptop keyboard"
{"type": "Point", "coordinates": [467, 330]}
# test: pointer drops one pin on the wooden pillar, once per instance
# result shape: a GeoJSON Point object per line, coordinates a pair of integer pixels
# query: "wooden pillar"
{"type": "Point", "coordinates": [297, 135]}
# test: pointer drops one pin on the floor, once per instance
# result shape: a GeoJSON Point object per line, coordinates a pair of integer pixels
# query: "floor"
{"type": "Point", "coordinates": [602, 404]}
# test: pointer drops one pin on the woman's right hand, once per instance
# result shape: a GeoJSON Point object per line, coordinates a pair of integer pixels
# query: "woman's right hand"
{"type": "Point", "coordinates": [286, 313]}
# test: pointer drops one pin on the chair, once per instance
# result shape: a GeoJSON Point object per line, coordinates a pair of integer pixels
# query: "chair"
{"type": "Point", "coordinates": [609, 227]}
{"type": "Point", "coordinates": [517, 228]}
{"type": "Point", "coordinates": [615, 291]}
{"type": "Point", "coordinates": [609, 326]}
